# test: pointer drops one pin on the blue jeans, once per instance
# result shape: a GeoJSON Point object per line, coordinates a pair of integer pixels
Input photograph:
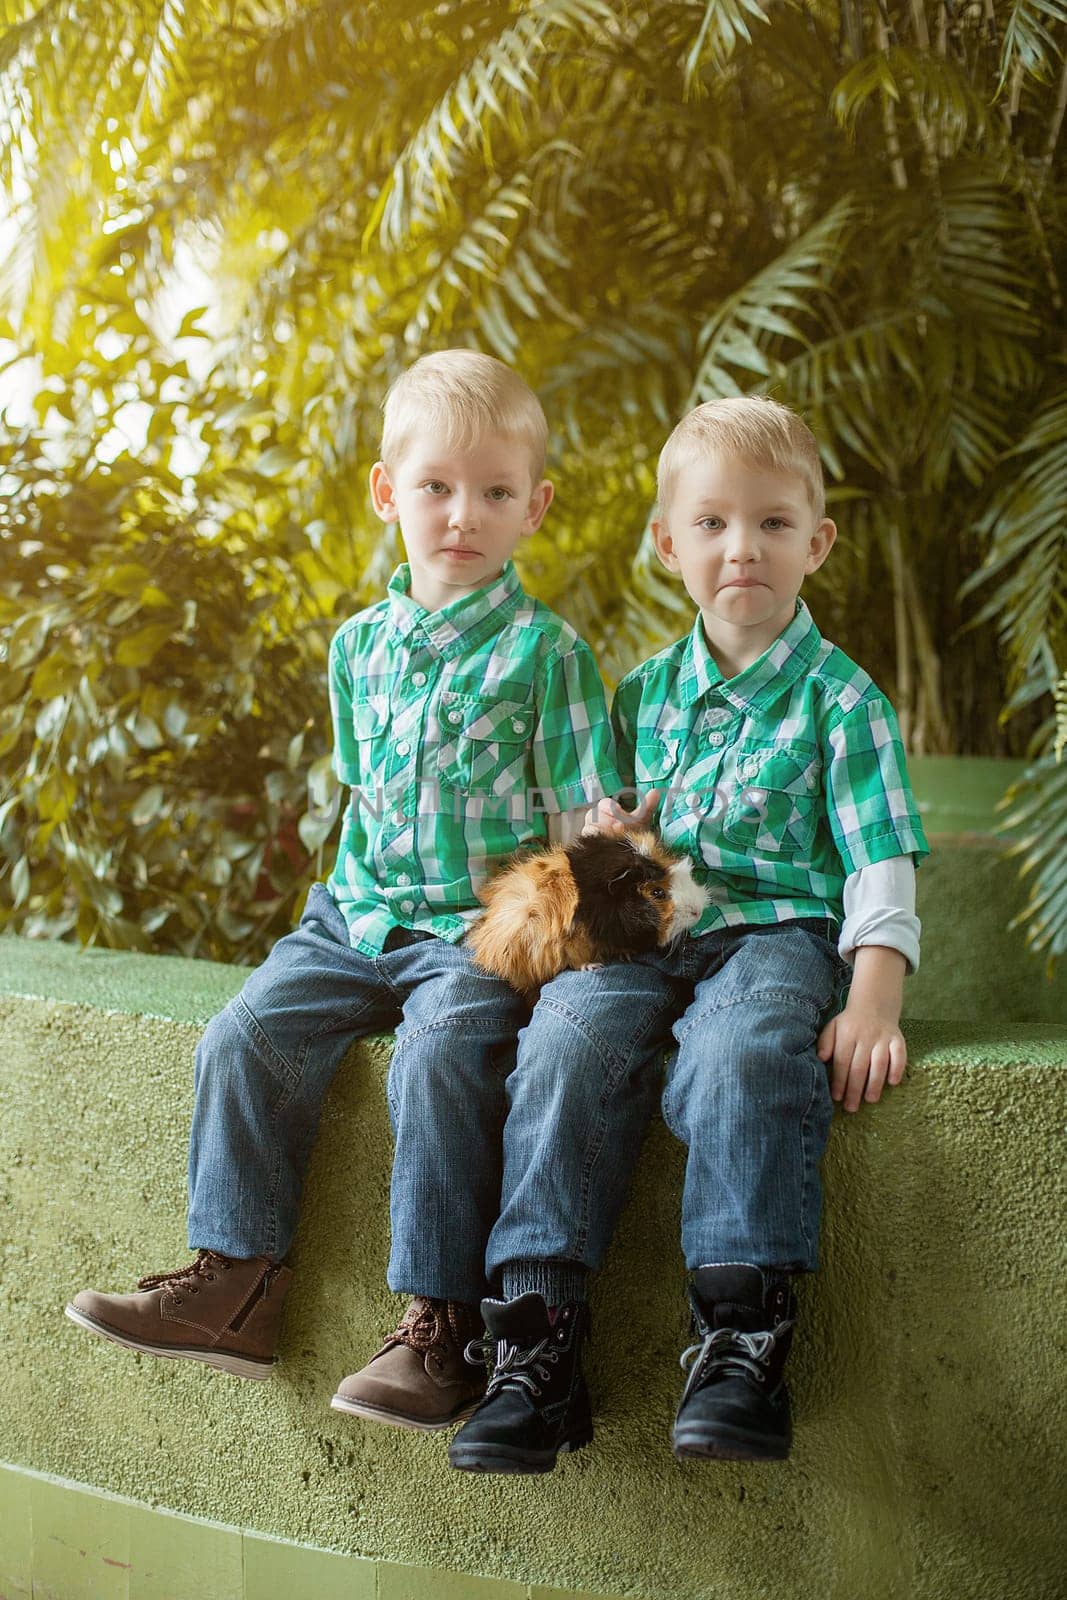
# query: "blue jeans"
{"type": "Point", "coordinates": [745, 1091]}
{"type": "Point", "coordinates": [748, 1095]}
{"type": "Point", "coordinates": [264, 1065]}
{"type": "Point", "coordinates": [574, 1093]}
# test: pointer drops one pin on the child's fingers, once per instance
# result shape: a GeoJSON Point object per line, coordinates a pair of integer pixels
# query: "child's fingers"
{"type": "Point", "coordinates": [825, 1047]}
{"type": "Point", "coordinates": [844, 1049]}
{"type": "Point", "coordinates": [645, 806]}
{"type": "Point", "coordinates": [876, 1073]}
{"type": "Point", "coordinates": [898, 1059]}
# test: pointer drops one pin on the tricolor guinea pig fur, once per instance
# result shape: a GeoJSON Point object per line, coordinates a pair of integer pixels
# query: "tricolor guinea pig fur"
{"type": "Point", "coordinates": [606, 897]}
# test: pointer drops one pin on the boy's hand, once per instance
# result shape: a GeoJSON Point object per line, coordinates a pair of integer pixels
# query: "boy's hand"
{"type": "Point", "coordinates": [609, 817]}
{"type": "Point", "coordinates": [867, 1051]}
{"type": "Point", "coordinates": [864, 1041]}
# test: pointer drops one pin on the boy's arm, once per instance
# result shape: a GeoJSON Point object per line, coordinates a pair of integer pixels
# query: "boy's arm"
{"type": "Point", "coordinates": [573, 747]}
{"type": "Point", "coordinates": [874, 822]}
{"type": "Point", "coordinates": [609, 816]}
{"type": "Point", "coordinates": [864, 1041]}
{"type": "Point", "coordinates": [345, 758]}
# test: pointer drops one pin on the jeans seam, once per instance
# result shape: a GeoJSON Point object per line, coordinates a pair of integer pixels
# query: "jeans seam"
{"type": "Point", "coordinates": [329, 1026]}
{"type": "Point", "coordinates": [625, 1063]}
{"type": "Point", "coordinates": [247, 1020]}
{"type": "Point", "coordinates": [287, 1085]}
{"type": "Point", "coordinates": [746, 999]}
{"type": "Point", "coordinates": [591, 1035]}
{"type": "Point", "coordinates": [805, 1148]}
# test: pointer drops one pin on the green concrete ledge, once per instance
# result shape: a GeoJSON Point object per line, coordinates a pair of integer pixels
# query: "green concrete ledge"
{"type": "Point", "coordinates": [927, 1374]}
{"type": "Point", "coordinates": [64, 1540]}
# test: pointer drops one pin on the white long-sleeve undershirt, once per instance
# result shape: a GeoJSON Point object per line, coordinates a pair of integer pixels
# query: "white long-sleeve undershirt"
{"type": "Point", "coordinates": [880, 909]}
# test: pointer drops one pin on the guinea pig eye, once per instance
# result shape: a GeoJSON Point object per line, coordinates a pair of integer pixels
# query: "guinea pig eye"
{"type": "Point", "coordinates": [658, 894]}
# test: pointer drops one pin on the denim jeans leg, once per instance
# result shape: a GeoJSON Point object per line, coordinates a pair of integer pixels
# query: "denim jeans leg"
{"type": "Point", "coordinates": [263, 1067]}
{"type": "Point", "coordinates": [454, 1049]}
{"type": "Point", "coordinates": [750, 1098]}
{"type": "Point", "coordinates": [585, 1084]}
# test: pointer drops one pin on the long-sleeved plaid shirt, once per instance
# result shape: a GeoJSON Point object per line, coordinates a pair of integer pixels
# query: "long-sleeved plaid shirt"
{"type": "Point", "coordinates": [782, 781]}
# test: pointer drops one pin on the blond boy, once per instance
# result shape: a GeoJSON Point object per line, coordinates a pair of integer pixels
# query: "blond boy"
{"type": "Point", "coordinates": [466, 717]}
{"type": "Point", "coordinates": [773, 761]}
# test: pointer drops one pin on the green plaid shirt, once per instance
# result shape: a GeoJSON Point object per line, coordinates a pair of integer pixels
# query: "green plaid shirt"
{"type": "Point", "coordinates": [782, 781]}
{"type": "Point", "coordinates": [458, 731]}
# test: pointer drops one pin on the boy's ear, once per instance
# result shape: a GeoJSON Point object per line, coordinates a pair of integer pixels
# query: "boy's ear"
{"type": "Point", "coordinates": [822, 542]}
{"type": "Point", "coordinates": [661, 538]}
{"type": "Point", "coordinates": [541, 497]}
{"type": "Point", "coordinates": [382, 493]}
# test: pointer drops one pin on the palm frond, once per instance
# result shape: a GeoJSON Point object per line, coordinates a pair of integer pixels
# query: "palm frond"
{"type": "Point", "coordinates": [723, 27]}
{"type": "Point", "coordinates": [1028, 41]}
{"type": "Point", "coordinates": [497, 87]}
{"type": "Point", "coordinates": [736, 338]}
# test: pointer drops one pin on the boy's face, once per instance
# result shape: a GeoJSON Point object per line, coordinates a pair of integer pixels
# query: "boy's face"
{"type": "Point", "coordinates": [461, 512]}
{"type": "Point", "coordinates": [743, 538]}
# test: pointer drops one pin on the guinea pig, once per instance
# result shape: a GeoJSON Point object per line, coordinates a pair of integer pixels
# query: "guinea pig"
{"type": "Point", "coordinates": [606, 897]}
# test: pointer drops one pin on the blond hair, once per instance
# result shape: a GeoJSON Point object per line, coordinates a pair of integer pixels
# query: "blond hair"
{"type": "Point", "coordinates": [461, 396]}
{"type": "Point", "coordinates": [760, 431]}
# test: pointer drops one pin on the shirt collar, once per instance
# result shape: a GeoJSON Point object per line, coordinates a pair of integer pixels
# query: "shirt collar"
{"type": "Point", "coordinates": [776, 670]}
{"type": "Point", "coordinates": [460, 625]}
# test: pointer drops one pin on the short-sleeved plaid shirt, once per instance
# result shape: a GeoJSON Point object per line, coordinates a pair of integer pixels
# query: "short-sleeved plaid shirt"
{"type": "Point", "coordinates": [458, 731]}
{"type": "Point", "coordinates": [780, 781]}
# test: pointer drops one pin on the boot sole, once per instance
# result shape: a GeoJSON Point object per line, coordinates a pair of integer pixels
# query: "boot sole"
{"type": "Point", "coordinates": [399, 1419]}
{"type": "Point", "coordinates": [728, 1444]}
{"type": "Point", "coordinates": [501, 1458]}
{"type": "Point", "coordinates": [222, 1360]}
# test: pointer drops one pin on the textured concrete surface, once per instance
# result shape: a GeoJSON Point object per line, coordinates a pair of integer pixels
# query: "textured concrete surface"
{"type": "Point", "coordinates": [927, 1374]}
{"type": "Point", "coordinates": [975, 966]}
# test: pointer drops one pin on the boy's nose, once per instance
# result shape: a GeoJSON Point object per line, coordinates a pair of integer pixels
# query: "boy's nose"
{"type": "Point", "coordinates": [742, 545]}
{"type": "Point", "coordinates": [464, 515]}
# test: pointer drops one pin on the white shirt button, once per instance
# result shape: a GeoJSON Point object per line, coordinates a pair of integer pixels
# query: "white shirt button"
{"type": "Point", "coordinates": [403, 879]}
{"type": "Point", "coordinates": [402, 748]}
{"type": "Point", "coordinates": [418, 679]}
{"type": "Point", "coordinates": [518, 724]}
{"type": "Point", "coordinates": [749, 768]}
{"type": "Point", "coordinates": [716, 739]}
{"type": "Point", "coordinates": [455, 716]}
{"type": "Point", "coordinates": [407, 906]}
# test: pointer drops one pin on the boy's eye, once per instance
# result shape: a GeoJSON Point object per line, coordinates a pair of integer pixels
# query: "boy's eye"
{"type": "Point", "coordinates": [500, 493]}
{"type": "Point", "coordinates": [711, 523]}
{"type": "Point", "coordinates": [435, 486]}
{"type": "Point", "coordinates": [774, 523]}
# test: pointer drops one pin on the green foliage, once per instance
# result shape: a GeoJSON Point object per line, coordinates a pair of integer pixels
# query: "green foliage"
{"type": "Point", "coordinates": [860, 209]}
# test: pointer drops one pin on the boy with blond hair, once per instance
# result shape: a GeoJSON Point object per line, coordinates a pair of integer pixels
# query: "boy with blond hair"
{"type": "Point", "coordinates": [774, 762]}
{"type": "Point", "coordinates": [468, 719]}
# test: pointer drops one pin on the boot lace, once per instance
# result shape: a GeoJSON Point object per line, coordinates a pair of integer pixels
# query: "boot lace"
{"type": "Point", "coordinates": [420, 1326]}
{"type": "Point", "coordinates": [203, 1267]}
{"type": "Point", "coordinates": [731, 1350]}
{"type": "Point", "coordinates": [512, 1364]}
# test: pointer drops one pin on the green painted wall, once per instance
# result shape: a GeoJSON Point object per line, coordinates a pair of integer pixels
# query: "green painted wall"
{"type": "Point", "coordinates": [927, 1374]}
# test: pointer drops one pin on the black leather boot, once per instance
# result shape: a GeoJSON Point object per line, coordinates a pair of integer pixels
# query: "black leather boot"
{"type": "Point", "coordinates": [536, 1404]}
{"type": "Point", "coordinates": [735, 1406]}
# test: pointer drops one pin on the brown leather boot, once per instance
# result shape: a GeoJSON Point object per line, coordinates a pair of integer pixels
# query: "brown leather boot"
{"type": "Point", "coordinates": [419, 1378]}
{"type": "Point", "coordinates": [218, 1310]}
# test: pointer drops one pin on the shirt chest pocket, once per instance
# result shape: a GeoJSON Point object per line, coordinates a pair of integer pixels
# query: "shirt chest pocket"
{"type": "Point", "coordinates": [482, 745]}
{"type": "Point", "coordinates": [657, 747]}
{"type": "Point", "coordinates": [370, 728]}
{"type": "Point", "coordinates": [776, 803]}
